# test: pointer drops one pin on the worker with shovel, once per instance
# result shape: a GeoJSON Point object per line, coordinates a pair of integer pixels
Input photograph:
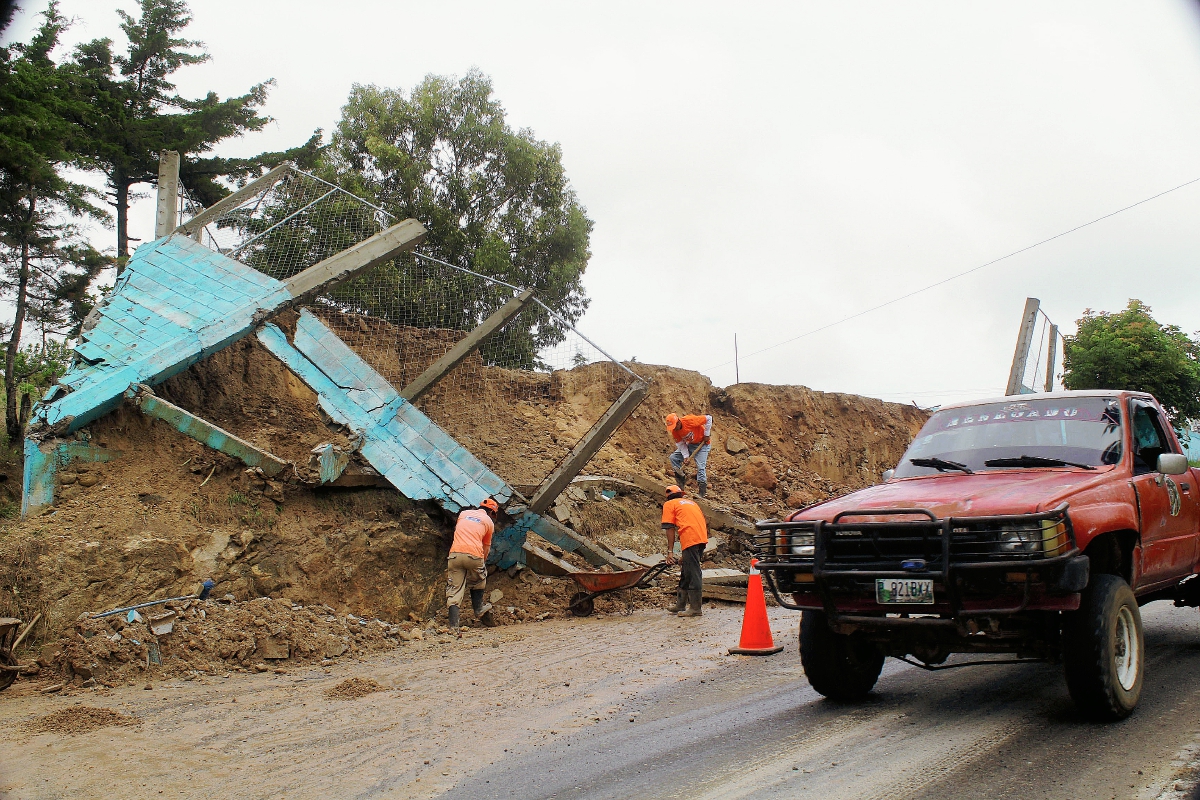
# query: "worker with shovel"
{"type": "Point", "coordinates": [683, 517]}
{"type": "Point", "coordinates": [466, 567]}
{"type": "Point", "coordinates": [691, 434]}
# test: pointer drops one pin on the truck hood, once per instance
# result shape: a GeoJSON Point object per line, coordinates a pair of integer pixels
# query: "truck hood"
{"type": "Point", "coordinates": [1025, 491]}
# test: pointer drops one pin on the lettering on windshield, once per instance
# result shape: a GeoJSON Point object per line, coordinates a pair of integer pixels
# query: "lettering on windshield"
{"type": "Point", "coordinates": [1069, 412]}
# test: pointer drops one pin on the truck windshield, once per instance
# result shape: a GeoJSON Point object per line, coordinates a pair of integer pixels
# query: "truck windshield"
{"type": "Point", "coordinates": [1082, 431]}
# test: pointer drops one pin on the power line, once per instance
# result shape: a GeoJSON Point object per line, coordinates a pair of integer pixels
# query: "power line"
{"type": "Point", "coordinates": [958, 275]}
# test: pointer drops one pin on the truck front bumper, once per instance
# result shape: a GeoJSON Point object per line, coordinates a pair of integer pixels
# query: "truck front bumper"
{"type": "Point", "coordinates": [980, 567]}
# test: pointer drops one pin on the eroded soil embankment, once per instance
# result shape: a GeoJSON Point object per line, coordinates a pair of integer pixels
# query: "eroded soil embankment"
{"type": "Point", "coordinates": [169, 513]}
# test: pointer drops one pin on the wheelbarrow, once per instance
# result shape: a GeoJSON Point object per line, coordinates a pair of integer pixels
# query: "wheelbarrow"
{"type": "Point", "coordinates": [597, 583]}
{"type": "Point", "coordinates": [8, 659]}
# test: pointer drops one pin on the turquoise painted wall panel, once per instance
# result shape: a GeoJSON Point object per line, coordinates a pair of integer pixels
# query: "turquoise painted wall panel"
{"type": "Point", "coordinates": [176, 303]}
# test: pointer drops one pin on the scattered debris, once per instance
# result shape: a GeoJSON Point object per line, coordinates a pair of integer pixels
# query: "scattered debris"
{"type": "Point", "coordinates": [353, 688]}
{"type": "Point", "coordinates": [78, 719]}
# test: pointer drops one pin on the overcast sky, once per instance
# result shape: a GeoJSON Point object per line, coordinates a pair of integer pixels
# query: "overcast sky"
{"type": "Point", "coordinates": [766, 169]}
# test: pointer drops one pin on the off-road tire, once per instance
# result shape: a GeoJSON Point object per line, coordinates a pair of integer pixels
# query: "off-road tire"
{"type": "Point", "coordinates": [841, 667]}
{"type": "Point", "coordinates": [1104, 653]}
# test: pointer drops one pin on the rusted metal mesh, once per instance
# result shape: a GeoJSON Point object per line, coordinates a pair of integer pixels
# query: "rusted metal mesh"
{"type": "Point", "coordinates": [520, 402]}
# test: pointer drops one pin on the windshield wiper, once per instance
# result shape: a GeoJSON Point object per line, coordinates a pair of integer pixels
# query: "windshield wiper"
{"type": "Point", "coordinates": [1033, 461]}
{"type": "Point", "coordinates": [940, 464]}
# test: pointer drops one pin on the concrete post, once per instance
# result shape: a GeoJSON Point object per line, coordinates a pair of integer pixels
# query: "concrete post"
{"type": "Point", "coordinates": [168, 193]}
{"type": "Point", "coordinates": [438, 369]}
{"type": "Point", "coordinates": [1017, 374]}
{"type": "Point", "coordinates": [1051, 362]}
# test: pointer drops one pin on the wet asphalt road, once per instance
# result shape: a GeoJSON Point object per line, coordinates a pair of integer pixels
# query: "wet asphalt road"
{"type": "Point", "coordinates": [757, 730]}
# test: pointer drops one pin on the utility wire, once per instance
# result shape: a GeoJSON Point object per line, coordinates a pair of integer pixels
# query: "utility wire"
{"type": "Point", "coordinates": [957, 275]}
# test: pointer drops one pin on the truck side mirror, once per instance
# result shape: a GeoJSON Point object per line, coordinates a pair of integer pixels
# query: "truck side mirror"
{"type": "Point", "coordinates": [1172, 464]}
{"type": "Point", "coordinates": [887, 474]}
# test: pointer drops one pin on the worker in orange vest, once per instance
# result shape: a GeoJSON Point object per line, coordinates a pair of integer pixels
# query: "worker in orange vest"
{"type": "Point", "coordinates": [466, 566]}
{"type": "Point", "coordinates": [683, 517]}
{"type": "Point", "coordinates": [691, 434]}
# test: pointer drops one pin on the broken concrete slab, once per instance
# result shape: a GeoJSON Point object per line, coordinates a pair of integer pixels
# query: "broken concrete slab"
{"type": "Point", "coordinates": [273, 648]}
{"type": "Point", "coordinates": [722, 520]}
{"type": "Point", "coordinates": [725, 577]}
{"type": "Point", "coordinates": [543, 563]}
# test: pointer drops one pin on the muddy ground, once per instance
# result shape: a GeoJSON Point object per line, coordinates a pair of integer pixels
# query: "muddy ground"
{"type": "Point", "coordinates": [445, 709]}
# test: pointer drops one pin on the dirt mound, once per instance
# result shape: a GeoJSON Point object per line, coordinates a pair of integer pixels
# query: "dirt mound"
{"type": "Point", "coordinates": [170, 513]}
{"type": "Point", "coordinates": [353, 688]}
{"type": "Point", "coordinates": [77, 719]}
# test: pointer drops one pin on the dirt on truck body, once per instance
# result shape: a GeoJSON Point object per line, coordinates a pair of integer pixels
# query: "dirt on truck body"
{"type": "Point", "coordinates": [1034, 526]}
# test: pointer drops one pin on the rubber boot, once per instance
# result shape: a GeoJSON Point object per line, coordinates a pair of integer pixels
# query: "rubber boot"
{"type": "Point", "coordinates": [453, 617]}
{"type": "Point", "coordinates": [680, 602]}
{"type": "Point", "coordinates": [680, 479]}
{"type": "Point", "coordinates": [695, 598]}
{"type": "Point", "coordinates": [703, 488]}
{"type": "Point", "coordinates": [480, 608]}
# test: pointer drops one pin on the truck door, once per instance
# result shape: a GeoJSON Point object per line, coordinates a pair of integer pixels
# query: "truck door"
{"type": "Point", "coordinates": [1166, 503]}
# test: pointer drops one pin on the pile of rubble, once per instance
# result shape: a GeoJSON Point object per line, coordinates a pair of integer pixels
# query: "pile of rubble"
{"type": "Point", "coordinates": [189, 638]}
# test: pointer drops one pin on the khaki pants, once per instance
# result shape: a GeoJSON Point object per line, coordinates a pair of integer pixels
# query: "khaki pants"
{"type": "Point", "coordinates": [463, 571]}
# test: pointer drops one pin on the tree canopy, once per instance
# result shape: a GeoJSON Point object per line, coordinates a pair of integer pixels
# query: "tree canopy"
{"type": "Point", "coordinates": [495, 200]}
{"type": "Point", "coordinates": [48, 268]}
{"type": "Point", "coordinates": [134, 112]}
{"type": "Point", "coordinates": [1131, 350]}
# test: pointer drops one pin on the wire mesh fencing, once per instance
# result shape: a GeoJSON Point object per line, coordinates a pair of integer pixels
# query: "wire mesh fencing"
{"type": "Point", "coordinates": [520, 402]}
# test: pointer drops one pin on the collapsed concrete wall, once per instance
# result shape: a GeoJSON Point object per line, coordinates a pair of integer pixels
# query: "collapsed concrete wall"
{"type": "Point", "coordinates": [159, 523]}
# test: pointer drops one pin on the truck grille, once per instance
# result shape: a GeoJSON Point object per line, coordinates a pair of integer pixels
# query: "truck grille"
{"type": "Point", "coordinates": [887, 546]}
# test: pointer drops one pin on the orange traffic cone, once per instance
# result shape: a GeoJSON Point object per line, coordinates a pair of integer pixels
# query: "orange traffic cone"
{"type": "Point", "coordinates": [756, 630]}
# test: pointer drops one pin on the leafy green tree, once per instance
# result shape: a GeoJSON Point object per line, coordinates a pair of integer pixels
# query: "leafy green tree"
{"type": "Point", "coordinates": [47, 268]}
{"type": "Point", "coordinates": [1131, 350]}
{"type": "Point", "coordinates": [495, 200]}
{"type": "Point", "coordinates": [134, 112]}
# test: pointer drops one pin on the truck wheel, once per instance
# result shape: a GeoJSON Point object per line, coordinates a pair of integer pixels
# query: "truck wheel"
{"type": "Point", "coordinates": [1103, 650]}
{"type": "Point", "coordinates": [838, 666]}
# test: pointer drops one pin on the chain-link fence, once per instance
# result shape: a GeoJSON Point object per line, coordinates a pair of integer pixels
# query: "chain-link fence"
{"type": "Point", "coordinates": [520, 402]}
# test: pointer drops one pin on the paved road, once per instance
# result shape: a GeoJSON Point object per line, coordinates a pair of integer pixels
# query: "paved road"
{"type": "Point", "coordinates": [755, 729]}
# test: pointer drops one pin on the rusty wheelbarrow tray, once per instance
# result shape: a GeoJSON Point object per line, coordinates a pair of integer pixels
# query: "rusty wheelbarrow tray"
{"type": "Point", "coordinates": [597, 583]}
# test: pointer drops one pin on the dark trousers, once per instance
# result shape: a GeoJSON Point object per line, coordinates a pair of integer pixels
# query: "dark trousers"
{"type": "Point", "coordinates": [690, 576]}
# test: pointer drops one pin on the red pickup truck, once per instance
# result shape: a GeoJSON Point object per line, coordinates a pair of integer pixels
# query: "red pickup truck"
{"type": "Point", "coordinates": [1033, 526]}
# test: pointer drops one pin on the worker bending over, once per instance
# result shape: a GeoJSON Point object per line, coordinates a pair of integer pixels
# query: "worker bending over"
{"type": "Point", "coordinates": [691, 434]}
{"type": "Point", "coordinates": [683, 517]}
{"type": "Point", "coordinates": [466, 566]}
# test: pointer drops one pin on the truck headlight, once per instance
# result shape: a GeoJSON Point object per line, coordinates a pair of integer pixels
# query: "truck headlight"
{"type": "Point", "coordinates": [804, 544]}
{"type": "Point", "coordinates": [1020, 540]}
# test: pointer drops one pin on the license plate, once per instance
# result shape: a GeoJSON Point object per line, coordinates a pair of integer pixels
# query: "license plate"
{"type": "Point", "coordinates": [889, 591]}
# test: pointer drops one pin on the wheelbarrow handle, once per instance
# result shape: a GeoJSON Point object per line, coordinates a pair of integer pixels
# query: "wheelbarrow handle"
{"type": "Point", "coordinates": [651, 574]}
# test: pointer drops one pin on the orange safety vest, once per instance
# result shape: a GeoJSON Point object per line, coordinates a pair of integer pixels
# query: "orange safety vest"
{"type": "Point", "coordinates": [693, 426]}
{"type": "Point", "coordinates": [688, 519]}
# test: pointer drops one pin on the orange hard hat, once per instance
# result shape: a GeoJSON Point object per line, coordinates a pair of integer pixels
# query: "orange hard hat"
{"type": "Point", "coordinates": [490, 505]}
{"type": "Point", "coordinates": [672, 420]}
{"type": "Point", "coordinates": [673, 489]}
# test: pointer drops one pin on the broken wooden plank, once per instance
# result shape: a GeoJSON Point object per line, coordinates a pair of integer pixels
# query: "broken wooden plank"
{"type": "Point", "coordinates": [587, 447]}
{"type": "Point", "coordinates": [368, 253]}
{"type": "Point", "coordinates": [438, 369]}
{"type": "Point", "coordinates": [205, 432]}
{"type": "Point", "coordinates": [230, 201]}
{"type": "Point", "coordinates": [730, 594]}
